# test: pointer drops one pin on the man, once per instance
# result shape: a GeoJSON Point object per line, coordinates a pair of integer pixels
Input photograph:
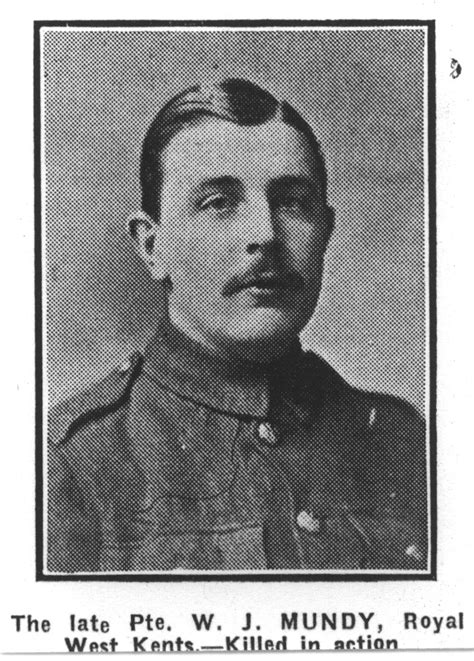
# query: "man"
{"type": "Point", "coordinates": [225, 446]}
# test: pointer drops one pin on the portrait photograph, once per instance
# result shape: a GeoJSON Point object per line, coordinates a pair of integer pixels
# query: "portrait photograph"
{"type": "Point", "coordinates": [235, 286]}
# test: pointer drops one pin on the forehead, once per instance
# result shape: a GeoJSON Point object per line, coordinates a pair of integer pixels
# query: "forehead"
{"type": "Point", "coordinates": [216, 147]}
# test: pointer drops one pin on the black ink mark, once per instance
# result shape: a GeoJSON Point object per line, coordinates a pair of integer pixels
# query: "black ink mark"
{"type": "Point", "coordinates": [455, 68]}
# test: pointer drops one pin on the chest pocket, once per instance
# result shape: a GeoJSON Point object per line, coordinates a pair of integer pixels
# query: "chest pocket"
{"type": "Point", "coordinates": [173, 534]}
{"type": "Point", "coordinates": [164, 532]}
{"type": "Point", "coordinates": [357, 538]}
{"type": "Point", "coordinates": [188, 504]}
{"type": "Point", "coordinates": [332, 541]}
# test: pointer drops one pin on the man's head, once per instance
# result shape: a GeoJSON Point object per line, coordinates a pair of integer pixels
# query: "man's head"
{"type": "Point", "coordinates": [235, 217]}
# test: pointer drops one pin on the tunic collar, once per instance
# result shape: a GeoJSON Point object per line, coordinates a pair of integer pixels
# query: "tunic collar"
{"type": "Point", "coordinates": [181, 365]}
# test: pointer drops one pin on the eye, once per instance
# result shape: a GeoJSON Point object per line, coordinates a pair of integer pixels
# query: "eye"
{"type": "Point", "coordinates": [293, 202]}
{"type": "Point", "coordinates": [216, 202]}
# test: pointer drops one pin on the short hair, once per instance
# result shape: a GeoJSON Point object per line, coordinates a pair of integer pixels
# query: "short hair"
{"type": "Point", "coordinates": [235, 100]}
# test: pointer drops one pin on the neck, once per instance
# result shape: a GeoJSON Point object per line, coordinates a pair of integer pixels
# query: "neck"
{"type": "Point", "coordinates": [249, 352]}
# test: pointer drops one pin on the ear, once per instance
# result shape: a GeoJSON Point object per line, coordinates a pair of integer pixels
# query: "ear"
{"type": "Point", "coordinates": [144, 232]}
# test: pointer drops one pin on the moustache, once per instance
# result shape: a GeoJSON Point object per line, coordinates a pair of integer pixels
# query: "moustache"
{"type": "Point", "coordinates": [259, 276]}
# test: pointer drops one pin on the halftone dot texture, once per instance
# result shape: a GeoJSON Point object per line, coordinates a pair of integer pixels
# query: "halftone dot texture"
{"type": "Point", "coordinates": [361, 91]}
{"type": "Point", "coordinates": [338, 483]}
{"type": "Point", "coordinates": [179, 461]}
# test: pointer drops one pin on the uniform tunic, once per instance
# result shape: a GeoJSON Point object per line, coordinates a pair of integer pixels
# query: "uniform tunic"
{"type": "Point", "coordinates": [180, 460]}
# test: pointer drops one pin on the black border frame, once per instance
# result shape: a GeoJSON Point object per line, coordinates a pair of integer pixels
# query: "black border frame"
{"type": "Point", "coordinates": [431, 133]}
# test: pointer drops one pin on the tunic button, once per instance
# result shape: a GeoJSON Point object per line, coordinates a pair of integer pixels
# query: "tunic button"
{"type": "Point", "coordinates": [413, 552]}
{"type": "Point", "coordinates": [308, 522]}
{"type": "Point", "coordinates": [266, 433]}
{"type": "Point", "coordinates": [125, 366]}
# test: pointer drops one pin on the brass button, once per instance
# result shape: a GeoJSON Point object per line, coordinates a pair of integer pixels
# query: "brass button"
{"type": "Point", "coordinates": [308, 522]}
{"type": "Point", "coordinates": [125, 366]}
{"type": "Point", "coordinates": [413, 552]}
{"type": "Point", "coordinates": [266, 433]}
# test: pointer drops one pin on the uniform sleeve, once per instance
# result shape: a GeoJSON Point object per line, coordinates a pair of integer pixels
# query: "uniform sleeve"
{"type": "Point", "coordinates": [401, 433]}
{"type": "Point", "coordinates": [398, 463]}
{"type": "Point", "coordinates": [73, 539]}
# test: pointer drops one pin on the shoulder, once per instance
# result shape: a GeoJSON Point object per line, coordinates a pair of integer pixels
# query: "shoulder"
{"type": "Point", "coordinates": [380, 433]}
{"type": "Point", "coordinates": [94, 403]}
{"type": "Point", "coordinates": [82, 434]}
{"type": "Point", "coordinates": [376, 409]}
{"type": "Point", "coordinates": [380, 445]}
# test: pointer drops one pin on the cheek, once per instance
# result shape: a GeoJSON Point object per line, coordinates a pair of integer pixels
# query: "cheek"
{"type": "Point", "coordinates": [195, 259]}
{"type": "Point", "coordinates": [305, 246]}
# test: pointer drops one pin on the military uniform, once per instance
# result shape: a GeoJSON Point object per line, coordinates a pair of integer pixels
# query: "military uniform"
{"type": "Point", "coordinates": [182, 461]}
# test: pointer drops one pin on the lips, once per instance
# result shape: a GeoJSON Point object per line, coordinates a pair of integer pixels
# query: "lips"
{"type": "Point", "coordinates": [268, 281]}
{"type": "Point", "coordinates": [264, 282]}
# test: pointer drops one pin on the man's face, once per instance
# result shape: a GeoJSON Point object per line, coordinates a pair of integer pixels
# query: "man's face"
{"type": "Point", "coordinates": [242, 234]}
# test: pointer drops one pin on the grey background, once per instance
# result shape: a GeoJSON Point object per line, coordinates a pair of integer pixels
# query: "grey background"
{"type": "Point", "coordinates": [362, 91]}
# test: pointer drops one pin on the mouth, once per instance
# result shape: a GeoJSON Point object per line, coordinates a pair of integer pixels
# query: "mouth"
{"type": "Point", "coordinates": [269, 284]}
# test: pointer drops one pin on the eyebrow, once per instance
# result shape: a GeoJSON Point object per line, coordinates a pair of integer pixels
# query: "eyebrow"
{"type": "Point", "coordinates": [226, 181]}
{"type": "Point", "coordinates": [287, 181]}
{"type": "Point", "coordinates": [284, 181]}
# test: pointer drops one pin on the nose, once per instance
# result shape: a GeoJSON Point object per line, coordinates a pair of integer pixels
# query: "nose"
{"type": "Point", "coordinates": [259, 228]}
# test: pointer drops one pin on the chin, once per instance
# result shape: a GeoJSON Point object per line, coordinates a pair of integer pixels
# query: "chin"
{"type": "Point", "coordinates": [264, 333]}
